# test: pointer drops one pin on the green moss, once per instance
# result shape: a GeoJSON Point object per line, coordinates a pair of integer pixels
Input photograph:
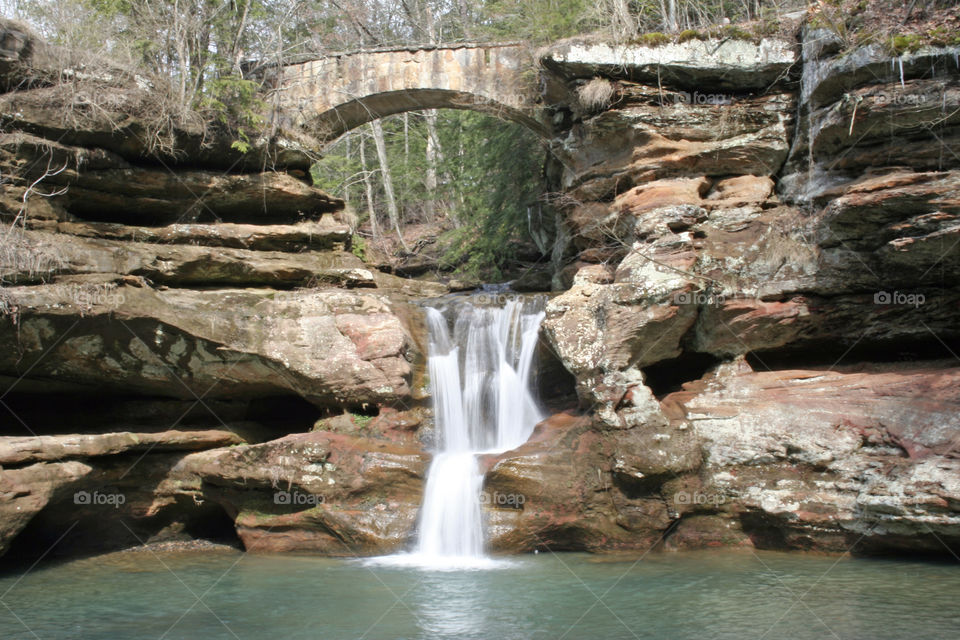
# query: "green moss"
{"type": "Point", "coordinates": [690, 34]}
{"type": "Point", "coordinates": [767, 27]}
{"type": "Point", "coordinates": [360, 420]}
{"type": "Point", "coordinates": [902, 44]}
{"type": "Point", "coordinates": [358, 247]}
{"type": "Point", "coordinates": [734, 32]}
{"type": "Point", "coordinates": [943, 37]}
{"type": "Point", "coordinates": [652, 39]}
{"type": "Point", "coordinates": [863, 38]}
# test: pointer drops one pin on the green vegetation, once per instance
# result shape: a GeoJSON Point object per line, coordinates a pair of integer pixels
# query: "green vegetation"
{"type": "Point", "coordinates": [690, 34]}
{"type": "Point", "coordinates": [943, 37]}
{"type": "Point", "coordinates": [487, 174]}
{"type": "Point", "coordinates": [908, 43]}
{"type": "Point", "coordinates": [361, 420]}
{"type": "Point", "coordinates": [652, 39]}
{"type": "Point", "coordinates": [358, 247]}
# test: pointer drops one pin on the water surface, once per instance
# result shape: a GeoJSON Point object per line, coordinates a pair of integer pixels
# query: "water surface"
{"type": "Point", "coordinates": [735, 595]}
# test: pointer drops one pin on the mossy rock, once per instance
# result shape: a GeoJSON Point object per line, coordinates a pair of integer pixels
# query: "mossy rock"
{"type": "Point", "coordinates": [907, 43]}
{"type": "Point", "coordinates": [690, 34]}
{"type": "Point", "coordinates": [652, 39]}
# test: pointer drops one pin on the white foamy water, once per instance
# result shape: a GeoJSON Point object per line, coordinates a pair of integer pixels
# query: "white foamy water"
{"type": "Point", "coordinates": [480, 383]}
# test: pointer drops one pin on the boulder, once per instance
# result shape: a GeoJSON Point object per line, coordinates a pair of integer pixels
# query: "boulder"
{"type": "Point", "coordinates": [858, 457]}
{"type": "Point", "coordinates": [572, 487]}
{"type": "Point", "coordinates": [654, 135]}
{"type": "Point", "coordinates": [24, 492]}
{"type": "Point", "coordinates": [333, 493]}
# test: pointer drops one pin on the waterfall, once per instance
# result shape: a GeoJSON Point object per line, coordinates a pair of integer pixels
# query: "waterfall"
{"type": "Point", "coordinates": [480, 383]}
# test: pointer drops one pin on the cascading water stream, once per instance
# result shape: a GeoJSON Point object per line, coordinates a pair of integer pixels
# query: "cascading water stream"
{"type": "Point", "coordinates": [480, 383]}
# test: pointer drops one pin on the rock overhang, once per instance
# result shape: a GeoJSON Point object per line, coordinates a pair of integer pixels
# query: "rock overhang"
{"type": "Point", "coordinates": [730, 64]}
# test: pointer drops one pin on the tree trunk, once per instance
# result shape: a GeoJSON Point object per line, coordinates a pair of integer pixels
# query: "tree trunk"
{"type": "Point", "coordinates": [433, 151]}
{"type": "Point", "coordinates": [433, 143]}
{"type": "Point", "coordinates": [387, 181]}
{"type": "Point", "coordinates": [368, 188]}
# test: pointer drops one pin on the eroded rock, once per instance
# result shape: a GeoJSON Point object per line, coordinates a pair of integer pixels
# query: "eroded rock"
{"type": "Point", "coordinates": [827, 459]}
{"type": "Point", "coordinates": [230, 343]}
{"type": "Point", "coordinates": [321, 491]}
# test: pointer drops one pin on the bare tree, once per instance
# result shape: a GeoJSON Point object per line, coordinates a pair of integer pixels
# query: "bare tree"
{"type": "Point", "coordinates": [368, 191]}
{"type": "Point", "coordinates": [387, 178]}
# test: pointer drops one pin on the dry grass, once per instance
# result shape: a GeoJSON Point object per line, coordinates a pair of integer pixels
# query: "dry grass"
{"type": "Point", "coordinates": [101, 96]}
{"type": "Point", "coordinates": [86, 89]}
{"type": "Point", "coordinates": [597, 94]}
{"type": "Point", "coordinates": [24, 259]}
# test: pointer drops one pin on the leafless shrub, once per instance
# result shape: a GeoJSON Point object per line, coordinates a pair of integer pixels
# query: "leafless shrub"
{"type": "Point", "coordinates": [87, 87]}
{"type": "Point", "coordinates": [560, 200]}
{"type": "Point", "coordinates": [619, 22]}
{"type": "Point", "coordinates": [100, 95]}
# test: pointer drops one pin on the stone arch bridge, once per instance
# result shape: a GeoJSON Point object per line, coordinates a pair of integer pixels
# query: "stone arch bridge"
{"type": "Point", "coordinates": [331, 95]}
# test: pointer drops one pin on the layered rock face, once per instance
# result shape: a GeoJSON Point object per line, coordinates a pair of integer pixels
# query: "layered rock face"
{"type": "Point", "coordinates": [756, 300]}
{"type": "Point", "coordinates": [165, 318]}
{"type": "Point", "coordinates": [760, 308]}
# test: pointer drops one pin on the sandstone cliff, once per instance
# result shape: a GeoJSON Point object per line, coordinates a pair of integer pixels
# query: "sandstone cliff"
{"type": "Point", "coordinates": [158, 303]}
{"type": "Point", "coordinates": [760, 304]}
{"type": "Point", "coordinates": [756, 301]}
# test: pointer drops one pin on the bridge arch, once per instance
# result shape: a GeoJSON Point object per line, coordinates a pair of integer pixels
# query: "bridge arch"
{"type": "Point", "coordinates": [331, 95]}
